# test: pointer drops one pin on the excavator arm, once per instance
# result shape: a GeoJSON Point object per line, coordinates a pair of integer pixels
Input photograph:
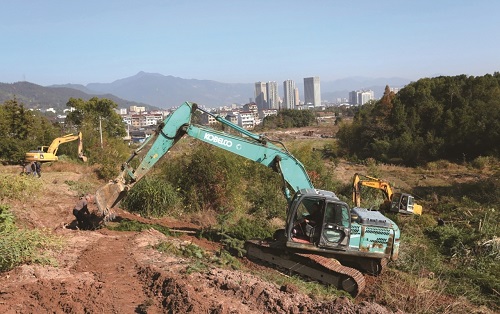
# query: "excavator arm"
{"type": "Point", "coordinates": [360, 180]}
{"type": "Point", "coordinates": [177, 125]}
{"type": "Point", "coordinates": [54, 146]}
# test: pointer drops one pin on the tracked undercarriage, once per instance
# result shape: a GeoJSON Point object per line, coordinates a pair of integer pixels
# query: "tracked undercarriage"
{"type": "Point", "coordinates": [326, 270]}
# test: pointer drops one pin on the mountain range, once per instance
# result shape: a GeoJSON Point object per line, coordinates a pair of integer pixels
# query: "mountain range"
{"type": "Point", "coordinates": [154, 90]}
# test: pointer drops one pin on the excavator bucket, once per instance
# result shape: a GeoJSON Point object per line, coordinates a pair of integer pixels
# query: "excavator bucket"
{"type": "Point", "coordinates": [107, 197]}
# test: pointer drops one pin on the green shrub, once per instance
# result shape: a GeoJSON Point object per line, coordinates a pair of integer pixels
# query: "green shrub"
{"type": "Point", "coordinates": [152, 197]}
{"type": "Point", "coordinates": [108, 158]}
{"type": "Point", "coordinates": [18, 187]}
{"type": "Point", "coordinates": [481, 162]}
{"type": "Point", "coordinates": [246, 229]}
{"type": "Point", "coordinates": [6, 219]}
{"type": "Point", "coordinates": [81, 187]}
{"type": "Point", "coordinates": [20, 246]}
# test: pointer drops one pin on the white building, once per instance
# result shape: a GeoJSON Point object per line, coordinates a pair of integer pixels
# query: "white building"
{"type": "Point", "coordinates": [233, 118]}
{"type": "Point", "coordinates": [246, 119]}
{"type": "Point", "coordinates": [121, 111]}
{"type": "Point", "coordinates": [142, 120]}
{"type": "Point", "coordinates": [290, 99]}
{"type": "Point", "coordinates": [361, 97]}
{"type": "Point", "coordinates": [137, 109]}
{"type": "Point", "coordinates": [272, 96]}
{"type": "Point", "coordinates": [312, 92]}
{"type": "Point", "coordinates": [267, 113]}
{"type": "Point", "coordinates": [208, 119]}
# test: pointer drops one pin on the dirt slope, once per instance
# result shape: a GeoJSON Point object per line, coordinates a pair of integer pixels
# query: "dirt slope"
{"type": "Point", "coordinates": [118, 272]}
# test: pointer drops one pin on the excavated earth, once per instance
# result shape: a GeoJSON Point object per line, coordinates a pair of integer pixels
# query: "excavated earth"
{"type": "Point", "coordinates": [107, 271]}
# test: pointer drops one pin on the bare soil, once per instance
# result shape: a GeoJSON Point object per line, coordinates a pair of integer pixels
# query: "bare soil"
{"type": "Point", "coordinates": [107, 271]}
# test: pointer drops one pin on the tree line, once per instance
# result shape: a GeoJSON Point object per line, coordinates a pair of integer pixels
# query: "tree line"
{"type": "Point", "coordinates": [448, 117]}
{"type": "Point", "coordinates": [455, 118]}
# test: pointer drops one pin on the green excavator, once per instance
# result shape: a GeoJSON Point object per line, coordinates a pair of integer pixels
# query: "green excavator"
{"type": "Point", "coordinates": [323, 239]}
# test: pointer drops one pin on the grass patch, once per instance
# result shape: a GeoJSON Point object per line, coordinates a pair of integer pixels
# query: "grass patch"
{"type": "Point", "coordinates": [19, 187]}
{"type": "Point", "coordinates": [23, 246]}
{"type": "Point", "coordinates": [81, 187]}
{"type": "Point", "coordinates": [152, 197]}
{"type": "Point", "coordinates": [222, 258]}
{"type": "Point", "coordinates": [315, 290]}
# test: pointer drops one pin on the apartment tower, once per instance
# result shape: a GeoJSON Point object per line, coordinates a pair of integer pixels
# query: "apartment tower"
{"type": "Point", "coordinates": [289, 101]}
{"type": "Point", "coordinates": [272, 95]}
{"type": "Point", "coordinates": [312, 92]}
{"type": "Point", "coordinates": [261, 95]}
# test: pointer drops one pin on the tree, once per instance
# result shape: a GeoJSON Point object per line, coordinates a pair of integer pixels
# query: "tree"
{"type": "Point", "coordinates": [89, 116]}
{"type": "Point", "coordinates": [290, 118]}
{"type": "Point", "coordinates": [23, 130]}
{"type": "Point", "coordinates": [95, 113]}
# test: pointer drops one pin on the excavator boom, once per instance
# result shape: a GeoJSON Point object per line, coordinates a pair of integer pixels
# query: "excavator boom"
{"type": "Point", "coordinates": [178, 124]}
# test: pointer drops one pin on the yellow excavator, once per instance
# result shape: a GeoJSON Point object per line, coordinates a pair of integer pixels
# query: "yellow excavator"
{"type": "Point", "coordinates": [402, 203]}
{"type": "Point", "coordinates": [48, 153]}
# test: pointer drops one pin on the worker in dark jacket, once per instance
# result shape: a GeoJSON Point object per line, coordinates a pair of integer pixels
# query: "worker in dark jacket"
{"type": "Point", "coordinates": [82, 213]}
{"type": "Point", "coordinates": [38, 168]}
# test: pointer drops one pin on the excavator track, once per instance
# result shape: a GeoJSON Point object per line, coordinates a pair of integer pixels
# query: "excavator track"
{"type": "Point", "coordinates": [326, 270]}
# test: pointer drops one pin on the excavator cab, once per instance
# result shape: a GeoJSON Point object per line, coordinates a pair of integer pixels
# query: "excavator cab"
{"type": "Point", "coordinates": [404, 203]}
{"type": "Point", "coordinates": [319, 221]}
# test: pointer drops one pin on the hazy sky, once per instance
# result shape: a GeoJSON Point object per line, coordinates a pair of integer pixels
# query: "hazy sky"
{"type": "Point", "coordinates": [60, 41]}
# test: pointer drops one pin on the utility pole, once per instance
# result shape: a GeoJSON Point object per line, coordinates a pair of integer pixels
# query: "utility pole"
{"type": "Point", "coordinates": [100, 131]}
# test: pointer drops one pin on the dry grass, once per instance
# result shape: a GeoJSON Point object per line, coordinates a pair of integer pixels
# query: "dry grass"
{"type": "Point", "coordinates": [67, 166]}
{"type": "Point", "coordinates": [424, 295]}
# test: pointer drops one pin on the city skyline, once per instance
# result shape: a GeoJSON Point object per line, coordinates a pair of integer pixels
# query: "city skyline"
{"type": "Point", "coordinates": [59, 42]}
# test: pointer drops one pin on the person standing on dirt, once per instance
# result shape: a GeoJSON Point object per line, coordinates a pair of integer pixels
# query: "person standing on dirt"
{"type": "Point", "coordinates": [38, 168]}
{"type": "Point", "coordinates": [82, 213]}
{"type": "Point", "coordinates": [27, 169]}
{"type": "Point", "coordinates": [33, 168]}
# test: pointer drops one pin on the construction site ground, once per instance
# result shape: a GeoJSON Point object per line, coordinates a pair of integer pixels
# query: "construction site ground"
{"type": "Point", "coordinates": [106, 271]}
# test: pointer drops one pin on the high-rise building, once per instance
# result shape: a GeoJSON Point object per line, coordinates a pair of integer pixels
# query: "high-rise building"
{"type": "Point", "coordinates": [290, 100]}
{"type": "Point", "coordinates": [312, 91]}
{"type": "Point", "coordinates": [360, 97]}
{"type": "Point", "coordinates": [272, 95]}
{"type": "Point", "coordinates": [297, 98]}
{"type": "Point", "coordinates": [261, 95]}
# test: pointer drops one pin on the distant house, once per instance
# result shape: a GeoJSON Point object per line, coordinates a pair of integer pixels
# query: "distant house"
{"type": "Point", "coordinates": [207, 119]}
{"type": "Point", "coordinates": [138, 136]}
{"type": "Point", "coordinates": [267, 113]}
{"type": "Point", "coordinates": [231, 117]}
{"type": "Point", "coordinates": [246, 119]}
